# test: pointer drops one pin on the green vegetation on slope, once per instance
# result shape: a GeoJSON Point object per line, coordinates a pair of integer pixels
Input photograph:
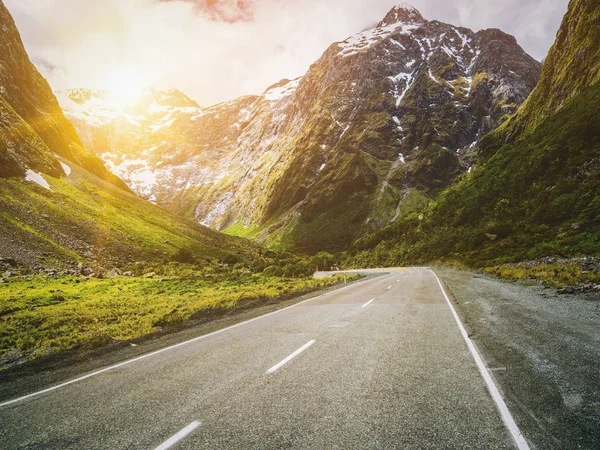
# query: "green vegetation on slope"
{"type": "Point", "coordinates": [85, 219]}
{"type": "Point", "coordinates": [537, 196]}
{"type": "Point", "coordinates": [552, 274]}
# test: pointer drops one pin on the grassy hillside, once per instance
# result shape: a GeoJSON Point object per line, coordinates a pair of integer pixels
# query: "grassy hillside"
{"type": "Point", "coordinates": [85, 219]}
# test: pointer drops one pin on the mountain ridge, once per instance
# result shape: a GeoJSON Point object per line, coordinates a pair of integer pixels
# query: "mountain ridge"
{"type": "Point", "coordinates": [29, 95]}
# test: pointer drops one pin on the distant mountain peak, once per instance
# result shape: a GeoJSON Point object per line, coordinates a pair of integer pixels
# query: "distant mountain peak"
{"type": "Point", "coordinates": [402, 13]}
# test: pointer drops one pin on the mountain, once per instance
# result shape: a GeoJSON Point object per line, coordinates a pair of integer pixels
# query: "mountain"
{"type": "Point", "coordinates": [376, 128]}
{"type": "Point", "coordinates": [536, 189]}
{"type": "Point", "coordinates": [136, 140]}
{"type": "Point", "coordinates": [24, 92]}
{"type": "Point", "coordinates": [60, 206]}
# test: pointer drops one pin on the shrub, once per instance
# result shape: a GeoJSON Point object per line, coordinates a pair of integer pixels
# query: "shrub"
{"type": "Point", "coordinates": [185, 256]}
{"type": "Point", "coordinates": [272, 271]}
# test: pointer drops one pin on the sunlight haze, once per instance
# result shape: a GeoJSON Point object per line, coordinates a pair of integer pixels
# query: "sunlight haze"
{"type": "Point", "coordinates": [219, 50]}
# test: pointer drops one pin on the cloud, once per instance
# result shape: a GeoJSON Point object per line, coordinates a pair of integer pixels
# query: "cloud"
{"type": "Point", "coordinates": [223, 10]}
{"type": "Point", "coordinates": [215, 50]}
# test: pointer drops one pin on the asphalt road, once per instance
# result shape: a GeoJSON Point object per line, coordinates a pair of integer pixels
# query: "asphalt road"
{"type": "Point", "coordinates": [380, 364]}
{"type": "Point", "coordinates": [543, 349]}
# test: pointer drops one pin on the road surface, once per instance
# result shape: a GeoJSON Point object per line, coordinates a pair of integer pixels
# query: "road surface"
{"type": "Point", "coordinates": [380, 364]}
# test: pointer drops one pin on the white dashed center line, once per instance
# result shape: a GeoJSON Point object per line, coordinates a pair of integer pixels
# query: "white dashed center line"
{"type": "Point", "coordinates": [292, 356]}
{"type": "Point", "coordinates": [179, 436]}
{"type": "Point", "coordinates": [368, 303]}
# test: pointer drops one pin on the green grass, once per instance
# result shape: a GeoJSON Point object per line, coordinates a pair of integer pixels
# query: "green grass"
{"type": "Point", "coordinates": [40, 315]}
{"type": "Point", "coordinates": [240, 229]}
{"type": "Point", "coordinates": [84, 218]}
{"type": "Point", "coordinates": [555, 275]}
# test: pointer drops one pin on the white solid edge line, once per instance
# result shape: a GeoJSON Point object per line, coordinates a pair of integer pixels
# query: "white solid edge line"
{"type": "Point", "coordinates": [181, 344]}
{"type": "Point", "coordinates": [292, 356]}
{"type": "Point", "coordinates": [368, 303]}
{"type": "Point", "coordinates": [493, 390]}
{"type": "Point", "coordinates": [178, 437]}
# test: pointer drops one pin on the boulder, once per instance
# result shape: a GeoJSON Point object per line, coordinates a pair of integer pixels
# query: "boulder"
{"type": "Point", "coordinates": [112, 274]}
{"type": "Point", "coordinates": [10, 261]}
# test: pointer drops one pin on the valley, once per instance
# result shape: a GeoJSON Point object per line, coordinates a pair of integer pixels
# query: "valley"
{"type": "Point", "coordinates": [399, 248]}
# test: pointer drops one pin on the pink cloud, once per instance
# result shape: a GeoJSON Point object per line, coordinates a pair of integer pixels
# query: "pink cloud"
{"type": "Point", "coordinates": [224, 10]}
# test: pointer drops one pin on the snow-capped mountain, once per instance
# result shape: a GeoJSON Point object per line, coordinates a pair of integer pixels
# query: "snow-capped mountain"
{"type": "Point", "coordinates": [374, 129]}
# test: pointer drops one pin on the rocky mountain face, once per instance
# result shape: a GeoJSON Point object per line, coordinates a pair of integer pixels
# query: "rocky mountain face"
{"type": "Point", "coordinates": [375, 128]}
{"type": "Point", "coordinates": [33, 128]}
{"type": "Point", "coordinates": [570, 67]}
{"type": "Point", "coordinates": [535, 191]}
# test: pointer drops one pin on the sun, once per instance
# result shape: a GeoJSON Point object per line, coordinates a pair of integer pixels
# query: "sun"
{"type": "Point", "coordinates": [125, 86]}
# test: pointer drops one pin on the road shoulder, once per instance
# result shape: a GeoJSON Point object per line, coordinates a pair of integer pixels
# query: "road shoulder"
{"type": "Point", "coordinates": [543, 351]}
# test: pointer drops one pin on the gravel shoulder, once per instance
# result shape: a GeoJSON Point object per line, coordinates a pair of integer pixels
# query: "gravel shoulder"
{"type": "Point", "coordinates": [543, 349]}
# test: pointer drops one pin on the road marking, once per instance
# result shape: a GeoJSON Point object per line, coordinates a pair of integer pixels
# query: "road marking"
{"type": "Point", "coordinates": [292, 356]}
{"type": "Point", "coordinates": [172, 347]}
{"type": "Point", "coordinates": [368, 303]}
{"type": "Point", "coordinates": [494, 392]}
{"type": "Point", "coordinates": [179, 436]}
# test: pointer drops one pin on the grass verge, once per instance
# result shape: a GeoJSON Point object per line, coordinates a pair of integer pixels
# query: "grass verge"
{"type": "Point", "coordinates": [40, 315]}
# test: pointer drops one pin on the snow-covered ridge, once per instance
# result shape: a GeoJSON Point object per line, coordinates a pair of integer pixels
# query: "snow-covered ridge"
{"type": "Point", "coordinates": [366, 39]}
{"type": "Point", "coordinates": [280, 91]}
{"type": "Point", "coordinates": [402, 13]}
{"type": "Point", "coordinates": [99, 108]}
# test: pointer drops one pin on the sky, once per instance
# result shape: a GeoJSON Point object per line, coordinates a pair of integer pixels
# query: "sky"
{"type": "Point", "coordinates": [217, 50]}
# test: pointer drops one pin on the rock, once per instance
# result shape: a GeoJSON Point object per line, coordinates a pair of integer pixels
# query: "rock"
{"type": "Point", "coordinates": [149, 275]}
{"type": "Point", "coordinates": [127, 274]}
{"type": "Point", "coordinates": [10, 261]}
{"type": "Point", "coordinates": [2, 280]}
{"type": "Point", "coordinates": [112, 274]}
{"type": "Point", "coordinates": [568, 290]}
{"type": "Point", "coordinates": [7, 274]}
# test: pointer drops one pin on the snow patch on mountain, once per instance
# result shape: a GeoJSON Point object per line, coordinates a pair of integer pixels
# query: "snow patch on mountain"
{"type": "Point", "coordinates": [277, 93]}
{"type": "Point", "coordinates": [368, 38]}
{"type": "Point", "coordinates": [37, 178]}
{"type": "Point", "coordinates": [65, 168]}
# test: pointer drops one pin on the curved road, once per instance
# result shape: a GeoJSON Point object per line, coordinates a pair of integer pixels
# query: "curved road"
{"type": "Point", "coordinates": [381, 363]}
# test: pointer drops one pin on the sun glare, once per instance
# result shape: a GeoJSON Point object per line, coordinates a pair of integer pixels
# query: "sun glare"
{"type": "Point", "coordinates": [125, 86]}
